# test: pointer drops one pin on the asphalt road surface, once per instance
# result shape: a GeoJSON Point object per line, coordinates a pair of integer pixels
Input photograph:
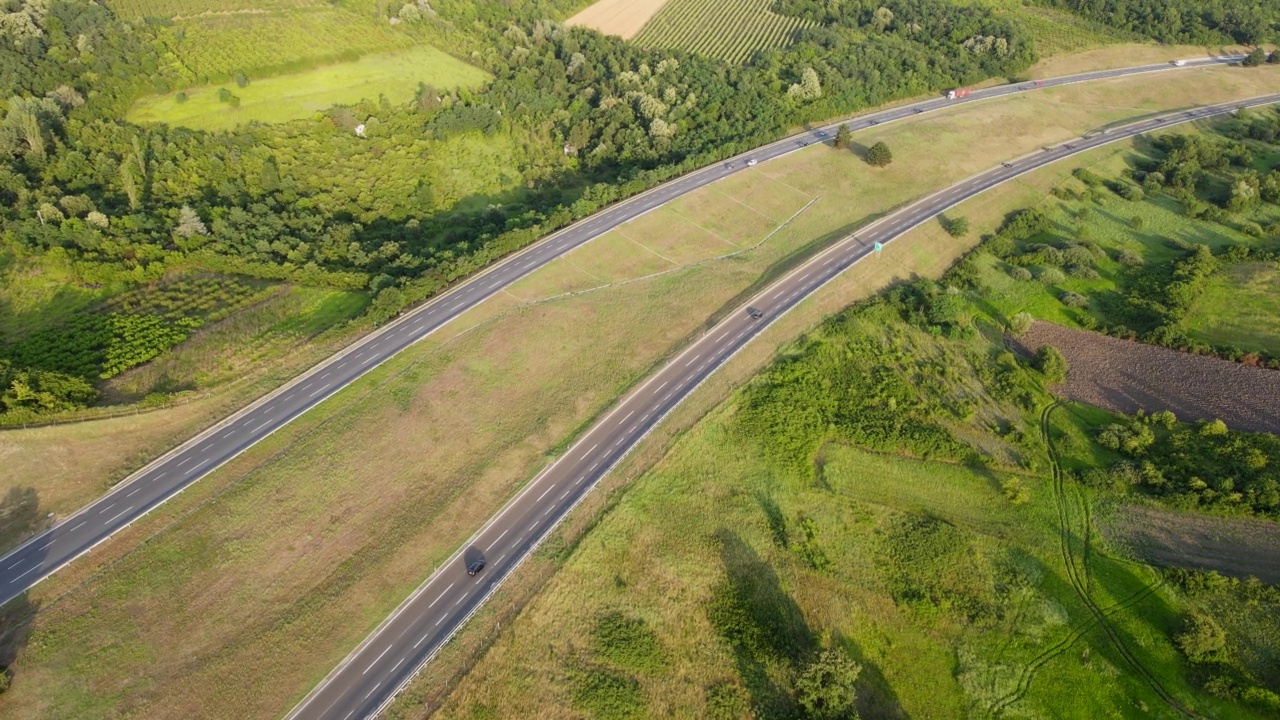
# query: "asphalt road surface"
{"type": "Point", "coordinates": [170, 474]}
{"type": "Point", "coordinates": [370, 676]}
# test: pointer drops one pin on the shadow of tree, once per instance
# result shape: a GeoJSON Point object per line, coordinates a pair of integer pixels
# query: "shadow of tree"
{"type": "Point", "coordinates": [764, 627]}
{"type": "Point", "coordinates": [876, 698]}
{"type": "Point", "coordinates": [20, 516]}
{"type": "Point", "coordinates": [16, 618]}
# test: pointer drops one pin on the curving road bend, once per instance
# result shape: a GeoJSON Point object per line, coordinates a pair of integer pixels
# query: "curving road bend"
{"type": "Point", "coordinates": [368, 679]}
{"type": "Point", "coordinates": [170, 474]}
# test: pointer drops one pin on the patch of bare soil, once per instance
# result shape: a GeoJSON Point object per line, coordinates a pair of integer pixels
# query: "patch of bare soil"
{"type": "Point", "coordinates": [1125, 376]}
{"type": "Point", "coordinates": [1239, 547]}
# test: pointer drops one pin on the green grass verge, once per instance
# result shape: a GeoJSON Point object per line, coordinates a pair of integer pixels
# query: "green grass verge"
{"type": "Point", "coordinates": [1240, 307]}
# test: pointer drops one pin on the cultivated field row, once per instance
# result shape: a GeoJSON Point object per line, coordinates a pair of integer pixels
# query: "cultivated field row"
{"type": "Point", "coordinates": [726, 29]}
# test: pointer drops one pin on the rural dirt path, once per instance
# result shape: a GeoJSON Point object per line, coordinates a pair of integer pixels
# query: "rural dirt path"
{"type": "Point", "coordinates": [1125, 376]}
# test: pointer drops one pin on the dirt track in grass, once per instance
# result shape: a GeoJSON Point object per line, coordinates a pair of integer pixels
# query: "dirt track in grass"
{"type": "Point", "coordinates": [1125, 376]}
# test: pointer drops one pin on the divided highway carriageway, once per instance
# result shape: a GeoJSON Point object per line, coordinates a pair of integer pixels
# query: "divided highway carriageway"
{"type": "Point", "coordinates": [368, 679]}
{"type": "Point", "coordinates": [162, 479]}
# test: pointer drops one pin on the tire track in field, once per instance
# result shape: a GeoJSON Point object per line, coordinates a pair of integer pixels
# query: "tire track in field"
{"type": "Point", "coordinates": [1079, 579]}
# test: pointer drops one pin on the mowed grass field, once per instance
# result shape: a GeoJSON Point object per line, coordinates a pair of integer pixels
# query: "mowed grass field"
{"type": "Point", "coordinates": [296, 95]}
{"type": "Point", "coordinates": [729, 30]}
{"type": "Point", "coordinates": [273, 568]}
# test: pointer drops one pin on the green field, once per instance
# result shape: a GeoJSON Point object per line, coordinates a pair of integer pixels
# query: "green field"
{"type": "Point", "coordinates": [1240, 307]}
{"type": "Point", "coordinates": [286, 97]}
{"type": "Point", "coordinates": [726, 29]}
{"type": "Point", "coordinates": [962, 590]}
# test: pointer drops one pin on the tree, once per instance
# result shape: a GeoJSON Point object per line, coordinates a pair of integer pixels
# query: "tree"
{"type": "Point", "coordinates": [1256, 57]}
{"type": "Point", "coordinates": [957, 227]}
{"type": "Point", "coordinates": [843, 136]}
{"type": "Point", "coordinates": [189, 223]}
{"type": "Point", "coordinates": [1274, 57]}
{"type": "Point", "coordinates": [26, 126]}
{"type": "Point", "coordinates": [809, 87]}
{"type": "Point", "coordinates": [242, 80]}
{"type": "Point", "coordinates": [1051, 363]}
{"type": "Point", "coordinates": [825, 687]}
{"type": "Point", "coordinates": [1203, 639]}
{"type": "Point", "coordinates": [879, 155]}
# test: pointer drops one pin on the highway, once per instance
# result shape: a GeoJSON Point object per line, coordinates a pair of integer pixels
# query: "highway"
{"type": "Point", "coordinates": [367, 680]}
{"type": "Point", "coordinates": [168, 475]}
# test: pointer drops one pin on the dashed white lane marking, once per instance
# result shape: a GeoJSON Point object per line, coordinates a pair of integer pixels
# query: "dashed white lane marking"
{"type": "Point", "coordinates": [504, 532]}
{"type": "Point", "coordinates": [433, 602]}
{"type": "Point", "coordinates": [633, 412]}
{"type": "Point", "coordinates": [82, 522]}
{"type": "Point", "coordinates": [594, 465]}
{"type": "Point", "coordinates": [375, 687]}
{"type": "Point", "coordinates": [106, 508]}
{"type": "Point", "coordinates": [317, 392]}
{"type": "Point", "coordinates": [544, 493]}
{"type": "Point", "coordinates": [197, 467]}
{"type": "Point", "coordinates": [375, 662]}
{"type": "Point", "coordinates": [326, 374]}
{"type": "Point", "coordinates": [228, 434]}
{"type": "Point", "coordinates": [184, 461]}
{"type": "Point", "coordinates": [117, 515]}
{"type": "Point", "coordinates": [664, 384]}
{"type": "Point", "coordinates": [393, 667]}
{"type": "Point", "coordinates": [367, 360]}
{"type": "Point", "coordinates": [261, 426]}
{"type": "Point", "coordinates": [134, 491]}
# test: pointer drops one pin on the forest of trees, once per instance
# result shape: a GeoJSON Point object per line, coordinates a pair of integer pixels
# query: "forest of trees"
{"type": "Point", "coordinates": [583, 119]}
{"type": "Point", "coordinates": [1183, 21]}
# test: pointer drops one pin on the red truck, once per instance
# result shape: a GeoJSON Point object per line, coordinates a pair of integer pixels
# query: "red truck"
{"type": "Point", "coordinates": [958, 93]}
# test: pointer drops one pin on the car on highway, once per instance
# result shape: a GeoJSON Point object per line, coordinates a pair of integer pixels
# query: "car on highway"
{"type": "Point", "coordinates": [751, 162]}
{"type": "Point", "coordinates": [475, 567]}
{"type": "Point", "coordinates": [918, 110]}
{"type": "Point", "coordinates": [1007, 164]}
{"type": "Point", "coordinates": [755, 313]}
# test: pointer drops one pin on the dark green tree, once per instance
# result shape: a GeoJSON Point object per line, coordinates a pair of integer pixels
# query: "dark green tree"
{"type": "Point", "coordinates": [957, 227]}
{"type": "Point", "coordinates": [879, 155]}
{"type": "Point", "coordinates": [843, 135]}
{"type": "Point", "coordinates": [1256, 57]}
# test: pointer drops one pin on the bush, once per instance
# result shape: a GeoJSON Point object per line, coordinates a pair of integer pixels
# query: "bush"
{"type": "Point", "coordinates": [1051, 364]}
{"type": "Point", "coordinates": [1202, 640]}
{"type": "Point", "coordinates": [1019, 324]}
{"type": "Point", "coordinates": [957, 227]}
{"type": "Point", "coordinates": [1075, 300]}
{"type": "Point", "coordinates": [1132, 193]}
{"type": "Point", "coordinates": [1129, 258]}
{"type": "Point", "coordinates": [242, 80]}
{"type": "Point", "coordinates": [629, 643]}
{"type": "Point", "coordinates": [1051, 276]}
{"type": "Point", "coordinates": [1020, 274]}
{"type": "Point", "coordinates": [1137, 223]}
{"type": "Point", "coordinates": [224, 95]}
{"type": "Point", "coordinates": [181, 97]}
{"type": "Point", "coordinates": [608, 695]}
{"type": "Point", "coordinates": [1014, 490]}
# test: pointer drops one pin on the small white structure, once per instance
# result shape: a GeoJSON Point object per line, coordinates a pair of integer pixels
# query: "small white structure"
{"type": "Point", "coordinates": [360, 130]}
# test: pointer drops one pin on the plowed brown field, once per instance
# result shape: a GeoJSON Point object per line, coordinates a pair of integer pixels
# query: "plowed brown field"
{"type": "Point", "coordinates": [1126, 376]}
{"type": "Point", "coordinates": [1239, 547]}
